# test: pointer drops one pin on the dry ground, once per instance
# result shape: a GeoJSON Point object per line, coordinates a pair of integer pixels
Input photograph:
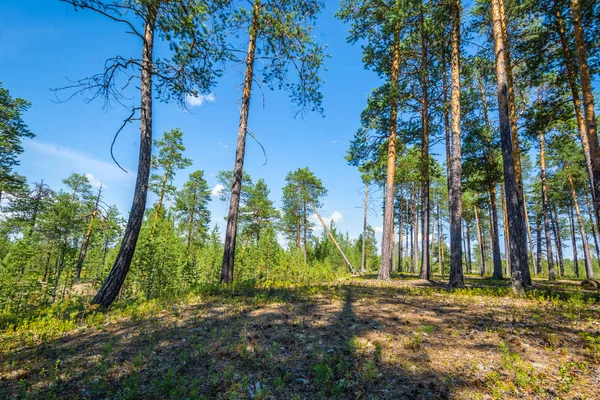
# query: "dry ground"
{"type": "Point", "coordinates": [356, 339]}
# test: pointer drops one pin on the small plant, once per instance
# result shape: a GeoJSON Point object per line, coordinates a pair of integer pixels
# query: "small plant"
{"type": "Point", "coordinates": [568, 375]}
{"type": "Point", "coordinates": [427, 328]}
{"type": "Point", "coordinates": [370, 371]}
{"type": "Point", "coordinates": [378, 352]}
{"type": "Point", "coordinates": [138, 360]}
{"type": "Point", "coordinates": [593, 342]}
{"type": "Point", "coordinates": [524, 376]}
{"type": "Point", "coordinates": [323, 374]}
{"type": "Point", "coordinates": [281, 380]}
{"type": "Point", "coordinates": [108, 348]}
{"type": "Point", "coordinates": [413, 342]}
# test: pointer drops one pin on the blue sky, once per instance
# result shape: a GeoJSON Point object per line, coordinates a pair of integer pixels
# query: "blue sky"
{"type": "Point", "coordinates": [44, 43]}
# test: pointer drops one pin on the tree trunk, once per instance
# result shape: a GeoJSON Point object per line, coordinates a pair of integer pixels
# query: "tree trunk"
{"type": "Point", "coordinates": [393, 262]}
{"type": "Point", "coordinates": [188, 241]}
{"type": "Point", "coordinates": [529, 237]}
{"type": "Point", "coordinates": [236, 188]}
{"type": "Point", "coordinates": [298, 234]}
{"type": "Point", "coordinates": [111, 286]}
{"type": "Point", "coordinates": [469, 260]}
{"type": "Point", "coordinates": [516, 151]}
{"type": "Point", "coordinates": [86, 239]}
{"type": "Point", "coordinates": [456, 274]}
{"type": "Point", "coordinates": [84, 247]}
{"type": "Point", "coordinates": [496, 257]}
{"type": "Point", "coordinates": [400, 232]}
{"type": "Point", "coordinates": [588, 104]}
{"type": "Point", "coordinates": [416, 234]}
{"type": "Point", "coordinates": [364, 238]}
{"type": "Point", "coordinates": [439, 242]}
{"type": "Point", "coordinates": [447, 127]}
{"type": "Point", "coordinates": [573, 242]}
{"type": "Point", "coordinates": [411, 255]}
{"type": "Point", "coordinates": [514, 201]}
{"type": "Point", "coordinates": [570, 68]}
{"type": "Point", "coordinates": [425, 212]}
{"type": "Point", "coordinates": [464, 247]}
{"type": "Point", "coordinates": [388, 210]}
{"type": "Point", "coordinates": [594, 227]}
{"type": "Point", "coordinates": [161, 195]}
{"type": "Point", "coordinates": [480, 241]}
{"type": "Point", "coordinates": [408, 231]}
{"type": "Point", "coordinates": [506, 234]}
{"type": "Point", "coordinates": [60, 260]}
{"type": "Point", "coordinates": [512, 107]}
{"type": "Point", "coordinates": [546, 209]}
{"type": "Point", "coordinates": [305, 232]}
{"type": "Point", "coordinates": [558, 239]}
{"type": "Point", "coordinates": [589, 270]}
{"type": "Point", "coordinates": [538, 226]}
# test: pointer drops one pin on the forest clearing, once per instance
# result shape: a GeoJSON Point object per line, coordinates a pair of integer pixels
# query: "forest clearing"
{"type": "Point", "coordinates": [413, 213]}
{"type": "Point", "coordinates": [355, 338]}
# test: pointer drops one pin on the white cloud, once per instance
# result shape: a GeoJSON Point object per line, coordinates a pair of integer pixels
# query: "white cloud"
{"type": "Point", "coordinates": [216, 191]}
{"type": "Point", "coordinates": [336, 217]}
{"type": "Point", "coordinates": [378, 229]}
{"type": "Point", "coordinates": [223, 145]}
{"type": "Point", "coordinates": [197, 101]}
{"type": "Point", "coordinates": [95, 182]}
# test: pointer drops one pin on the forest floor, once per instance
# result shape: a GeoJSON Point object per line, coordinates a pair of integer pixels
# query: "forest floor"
{"type": "Point", "coordinates": [354, 339]}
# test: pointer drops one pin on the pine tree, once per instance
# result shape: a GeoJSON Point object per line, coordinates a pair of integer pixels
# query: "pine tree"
{"type": "Point", "coordinates": [12, 132]}
{"type": "Point", "coordinates": [195, 39]}
{"type": "Point", "coordinates": [280, 31]}
{"type": "Point", "coordinates": [302, 188]}
{"type": "Point", "coordinates": [167, 162]}
{"type": "Point", "coordinates": [191, 208]}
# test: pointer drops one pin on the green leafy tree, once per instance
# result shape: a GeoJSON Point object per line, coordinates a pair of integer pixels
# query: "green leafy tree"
{"type": "Point", "coordinates": [257, 213]}
{"type": "Point", "coordinates": [367, 245]}
{"type": "Point", "coordinates": [302, 192]}
{"type": "Point", "coordinates": [191, 208]}
{"type": "Point", "coordinates": [167, 162]}
{"type": "Point", "coordinates": [12, 132]}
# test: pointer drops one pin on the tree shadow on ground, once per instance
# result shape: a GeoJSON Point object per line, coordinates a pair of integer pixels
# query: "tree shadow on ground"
{"type": "Point", "coordinates": [350, 341]}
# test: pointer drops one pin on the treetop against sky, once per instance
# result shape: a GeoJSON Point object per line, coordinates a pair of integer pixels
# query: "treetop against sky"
{"type": "Point", "coordinates": [75, 137]}
{"type": "Point", "coordinates": [43, 45]}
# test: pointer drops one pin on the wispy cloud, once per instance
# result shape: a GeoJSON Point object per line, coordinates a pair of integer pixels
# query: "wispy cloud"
{"type": "Point", "coordinates": [216, 190]}
{"type": "Point", "coordinates": [95, 182]}
{"type": "Point", "coordinates": [223, 145]}
{"type": "Point", "coordinates": [197, 101]}
{"type": "Point", "coordinates": [334, 141]}
{"type": "Point", "coordinates": [378, 229]}
{"type": "Point", "coordinates": [99, 170]}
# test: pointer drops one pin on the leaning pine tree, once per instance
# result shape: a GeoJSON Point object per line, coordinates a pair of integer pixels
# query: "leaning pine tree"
{"type": "Point", "coordinates": [197, 44]}
{"type": "Point", "coordinates": [280, 31]}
